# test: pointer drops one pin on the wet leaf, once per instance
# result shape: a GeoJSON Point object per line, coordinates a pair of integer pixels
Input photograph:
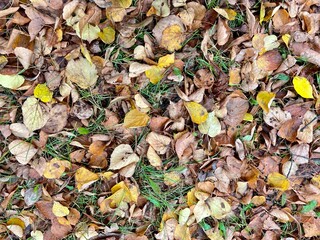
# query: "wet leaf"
{"type": "Point", "coordinates": [197, 112]}
{"type": "Point", "coordinates": [302, 87]}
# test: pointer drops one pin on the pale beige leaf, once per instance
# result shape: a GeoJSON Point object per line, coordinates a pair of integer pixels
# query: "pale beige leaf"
{"type": "Point", "coordinates": [201, 211]}
{"type": "Point", "coordinates": [11, 81]}
{"type": "Point", "coordinates": [24, 55]}
{"type": "Point", "coordinates": [59, 210]}
{"type": "Point", "coordinates": [122, 156]}
{"type": "Point", "coordinates": [153, 157]}
{"type": "Point", "coordinates": [219, 208]}
{"type": "Point", "coordinates": [159, 142]}
{"type": "Point", "coordinates": [82, 72]}
{"type": "Point", "coordinates": [34, 114]}
{"type": "Point", "coordinates": [23, 151]}
{"type": "Point", "coordinates": [20, 130]}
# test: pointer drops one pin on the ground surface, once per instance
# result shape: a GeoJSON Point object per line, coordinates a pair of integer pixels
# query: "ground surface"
{"type": "Point", "coordinates": [160, 119]}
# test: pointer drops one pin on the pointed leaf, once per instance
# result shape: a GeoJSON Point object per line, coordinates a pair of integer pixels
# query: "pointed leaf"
{"type": "Point", "coordinates": [265, 99]}
{"type": "Point", "coordinates": [302, 87]}
{"type": "Point", "coordinates": [135, 119]}
{"type": "Point", "coordinates": [197, 112]}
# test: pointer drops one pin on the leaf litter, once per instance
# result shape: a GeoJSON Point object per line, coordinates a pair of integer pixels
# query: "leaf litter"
{"type": "Point", "coordinates": [159, 120]}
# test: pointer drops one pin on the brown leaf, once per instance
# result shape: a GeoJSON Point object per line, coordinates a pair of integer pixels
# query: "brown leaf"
{"type": "Point", "coordinates": [58, 117]}
{"type": "Point", "coordinates": [236, 109]}
{"type": "Point", "coordinates": [223, 31]}
{"type": "Point", "coordinates": [160, 143]}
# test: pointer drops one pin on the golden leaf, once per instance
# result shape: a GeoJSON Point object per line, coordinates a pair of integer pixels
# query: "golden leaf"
{"type": "Point", "coordinates": [166, 60]}
{"type": "Point", "coordinates": [121, 3]}
{"type": "Point", "coordinates": [172, 38]}
{"type": "Point", "coordinates": [155, 74]}
{"type": "Point", "coordinates": [302, 87]}
{"type": "Point", "coordinates": [59, 210]}
{"type": "Point", "coordinates": [107, 35]}
{"type": "Point", "coordinates": [227, 13]}
{"type": "Point", "coordinates": [197, 112]}
{"type": "Point", "coordinates": [55, 168]}
{"type": "Point", "coordinates": [42, 92]}
{"type": "Point", "coordinates": [84, 178]}
{"type": "Point", "coordinates": [121, 192]}
{"type": "Point", "coordinates": [286, 38]}
{"type": "Point", "coordinates": [264, 99]}
{"type": "Point", "coordinates": [135, 119]}
{"type": "Point", "coordinates": [278, 181]}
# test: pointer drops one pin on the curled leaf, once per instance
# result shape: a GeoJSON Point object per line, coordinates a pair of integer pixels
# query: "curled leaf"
{"type": "Point", "coordinates": [42, 92]}
{"type": "Point", "coordinates": [264, 99]}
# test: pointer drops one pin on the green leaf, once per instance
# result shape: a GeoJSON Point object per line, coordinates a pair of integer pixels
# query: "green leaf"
{"type": "Point", "coordinates": [309, 206]}
{"type": "Point", "coordinates": [83, 131]}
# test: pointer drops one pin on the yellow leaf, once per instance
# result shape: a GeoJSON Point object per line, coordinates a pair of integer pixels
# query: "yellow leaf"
{"type": "Point", "coordinates": [211, 126]}
{"type": "Point", "coordinates": [42, 92]}
{"type": "Point", "coordinates": [286, 38]}
{"type": "Point", "coordinates": [258, 200]}
{"type": "Point", "coordinates": [106, 175]}
{"type": "Point", "coordinates": [171, 178]}
{"type": "Point", "coordinates": [85, 53]}
{"type": "Point", "coordinates": [116, 14]}
{"type": "Point", "coordinates": [155, 74]}
{"type": "Point", "coordinates": [197, 112]}
{"type": "Point", "coordinates": [278, 181]}
{"type": "Point", "coordinates": [166, 60]}
{"type": "Point", "coordinates": [84, 178]}
{"type": "Point", "coordinates": [248, 117]}
{"type": "Point", "coordinates": [172, 38]}
{"type": "Point", "coordinates": [191, 198]}
{"type": "Point", "coordinates": [121, 192]}
{"type": "Point", "coordinates": [59, 210]}
{"type": "Point", "coordinates": [11, 81]}
{"type": "Point", "coordinates": [135, 119]}
{"type": "Point", "coordinates": [234, 78]}
{"type": "Point", "coordinates": [107, 35]}
{"type": "Point", "coordinates": [316, 180]}
{"type": "Point", "coordinates": [227, 13]}
{"type": "Point", "coordinates": [55, 168]}
{"type": "Point", "coordinates": [264, 99]}
{"type": "Point", "coordinates": [182, 232]}
{"type": "Point", "coordinates": [262, 12]}
{"type": "Point", "coordinates": [59, 34]}
{"type": "Point", "coordinates": [302, 87]}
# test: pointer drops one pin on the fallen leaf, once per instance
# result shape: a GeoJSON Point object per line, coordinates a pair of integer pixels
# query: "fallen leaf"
{"type": "Point", "coordinates": [24, 55]}
{"type": "Point", "coordinates": [153, 157]}
{"type": "Point", "coordinates": [58, 118]}
{"type": "Point", "coordinates": [155, 74]}
{"type": "Point", "coordinates": [135, 119]}
{"type": "Point", "coordinates": [55, 168]}
{"type": "Point", "coordinates": [84, 178]}
{"type": "Point", "coordinates": [20, 130]}
{"type": "Point", "coordinates": [182, 232]}
{"type": "Point", "coordinates": [107, 35]}
{"type": "Point", "coordinates": [88, 32]}
{"type": "Point", "coordinates": [158, 142]}
{"type": "Point", "coordinates": [223, 32]}
{"type": "Point", "coordinates": [11, 81]}
{"type": "Point", "coordinates": [42, 92]}
{"type": "Point", "coordinates": [302, 87]}
{"type": "Point", "coordinates": [59, 210]}
{"type": "Point", "coordinates": [122, 156]}
{"type": "Point", "coordinates": [23, 151]}
{"type": "Point", "coordinates": [227, 13]}
{"type": "Point", "coordinates": [32, 195]}
{"type": "Point", "coordinates": [211, 126]}
{"type": "Point", "coordinates": [197, 112]}
{"type": "Point", "coordinates": [278, 181]}
{"type": "Point", "coordinates": [171, 178]}
{"type": "Point", "coordinates": [312, 227]}
{"type": "Point", "coordinates": [35, 116]}
{"type": "Point", "coordinates": [269, 61]}
{"type": "Point", "coordinates": [82, 73]}
{"type": "Point", "coordinates": [121, 192]}
{"type": "Point", "coordinates": [264, 99]}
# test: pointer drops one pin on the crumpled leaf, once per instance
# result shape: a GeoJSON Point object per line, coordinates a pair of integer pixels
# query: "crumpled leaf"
{"type": "Point", "coordinates": [34, 114]}
{"type": "Point", "coordinates": [211, 126]}
{"type": "Point", "coordinates": [23, 151]}
{"type": "Point", "coordinates": [11, 81]}
{"type": "Point", "coordinates": [82, 73]}
{"type": "Point", "coordinates": [264, 99]}
{"type": "Point", "coordinates": [59, 210]}
{"type": "Point", "coordinates": [166, 60]}
{"type": "Point", "coordinates": [42, 92]}
{"type": "Point", "coordinates": [123, 192]}
{"type": "Point", "coordinates": [197, 112]}
{"type": "Point", "coordinates": [135, 119]}
{"type": "Point", "coordinates": [302, 87]}
{"type": "Point", "coordinates": [32, 195]}
{"type": "Point", "coordinates": [84, 178]}
{"type": "Point", "coordinates": [107, 35]}
{"type": "Point", "coordinates": [219, 208]}
{"type": "Point", "coordinates": [278, 181]}
{"type": "Point", "coordinates": [55, 168]}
